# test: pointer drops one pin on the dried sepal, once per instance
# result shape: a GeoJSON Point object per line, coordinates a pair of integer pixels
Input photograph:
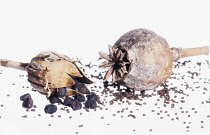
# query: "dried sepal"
{"type": "Point", "coordinates": [84, 90]}
{"type": "Point", "coordinates": [71, 92]}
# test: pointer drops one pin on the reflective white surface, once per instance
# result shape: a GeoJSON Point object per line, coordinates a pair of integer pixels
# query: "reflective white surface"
{"type": "Point", "coordinates": [80, 30]}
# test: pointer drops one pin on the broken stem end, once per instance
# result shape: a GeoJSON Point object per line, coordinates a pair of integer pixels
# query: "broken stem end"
{"type": "Point", "coordinates": [13, 64]}
{"type": "Point", "coordinates": [178, 53]}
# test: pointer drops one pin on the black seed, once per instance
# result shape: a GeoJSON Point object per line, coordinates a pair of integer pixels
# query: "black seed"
{"type": "Point", "coordinates": [68, 100]}
{"type": "Point", "coordinates": [91, 103]}
{"type": "Point", "coordinates": [80, 98]}
{"type": "Point", "coordinates": [61, 92]}
{"type": "Point", "coordinates": [50, 109]}
{"type": "Point", "coordinates": [77, 86]}
{"type": "Point", "coordinates": [92, 96]}
{"type": "Point", "coordinates": [54, 100]}
{"type": "Point", "coordinates": [28, 103]}
{"type": "Point", "coordinates": [25, 96]}
{"type": "Point", "coordinates": [75, 105]}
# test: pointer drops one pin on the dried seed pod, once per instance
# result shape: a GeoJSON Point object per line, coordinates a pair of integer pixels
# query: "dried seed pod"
{"type": "Point", "coordinates": [49, 71]}
{"type": "Point", "coordinates": [141, 59]}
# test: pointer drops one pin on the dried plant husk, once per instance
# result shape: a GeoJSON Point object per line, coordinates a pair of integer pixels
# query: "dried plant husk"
{"type": "Point", "coordinates": [49, 71]}
{"type": "Point", "coordinates": [141, 60]}
{"type": "Point", "coordinates": [71, 92]}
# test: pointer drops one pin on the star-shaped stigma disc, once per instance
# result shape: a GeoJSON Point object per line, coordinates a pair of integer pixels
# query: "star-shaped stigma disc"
{"type": "Point", "coordinates": [118, 63]}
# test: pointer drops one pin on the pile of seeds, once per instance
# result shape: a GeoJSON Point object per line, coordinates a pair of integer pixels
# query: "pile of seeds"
{"type": "Point", "coordinates": [75, 102]}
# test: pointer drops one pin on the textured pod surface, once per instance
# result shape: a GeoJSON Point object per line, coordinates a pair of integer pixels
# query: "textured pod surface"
{"type": "Point", "coordinates": [139, 60]}
{"type": "Point", "coordinates": [150, 57]}
{"type": "Point", "coordinates": [49, 71]}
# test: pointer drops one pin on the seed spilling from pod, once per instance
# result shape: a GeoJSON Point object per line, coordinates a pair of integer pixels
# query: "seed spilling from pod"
{"type": "Point", "coordinates": [50, 72]}
{"type": "Point", "coordinates": [141, 60]}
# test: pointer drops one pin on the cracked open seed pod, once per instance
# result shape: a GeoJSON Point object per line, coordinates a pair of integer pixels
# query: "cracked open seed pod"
{"type": "Point", "coordinates": [49, 71]}
{"type": "Point", "coordinates": [141, 60]}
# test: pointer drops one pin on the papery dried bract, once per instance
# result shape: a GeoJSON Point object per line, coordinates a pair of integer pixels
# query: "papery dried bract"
{"type": "Point", "coordinates": [49, 71]}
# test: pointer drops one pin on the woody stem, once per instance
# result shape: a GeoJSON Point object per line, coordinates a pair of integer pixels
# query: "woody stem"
{"type": "Point", "coordinates": [13, 64]}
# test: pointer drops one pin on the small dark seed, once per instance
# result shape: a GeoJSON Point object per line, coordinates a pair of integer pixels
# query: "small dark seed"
{"type": "Point", "coordinates": [50, 109]}
{"type": "Point", "coordinates": [28, 103]}
{"type": "Point", "coordinates": [80, 98]}
{"type": "Point", "coordinates": [61, 92]}
{"type": "Point", "coordinates": [25, 96]}
{"type": "Point", "coordinates": [91, 103]}
{"type": "Point", "coordinates": [68, 100]}
{"type": "Point", "coordinates": [33, 110]}
{"type": "Point", "coordinates": [92, 96]}
{"type": "Point", "coordinates": [54, 100]}
{"type": "Point", "coordinates": [77, 86]}
{"type": "Point", "coordinates": [75, 105]}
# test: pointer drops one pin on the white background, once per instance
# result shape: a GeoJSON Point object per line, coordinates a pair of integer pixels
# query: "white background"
{"type": "Point", "coordinates": [80, 29]}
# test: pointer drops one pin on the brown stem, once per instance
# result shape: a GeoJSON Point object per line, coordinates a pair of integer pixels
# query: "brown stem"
{"type": "Point", "coordinates": [13, 64]}
{"type": "Point", "coordinates": [187, 52]}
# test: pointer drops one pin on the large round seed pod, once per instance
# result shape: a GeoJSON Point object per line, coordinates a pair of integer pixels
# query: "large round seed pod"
{"type": "Point", "coordinates": [141, 60]}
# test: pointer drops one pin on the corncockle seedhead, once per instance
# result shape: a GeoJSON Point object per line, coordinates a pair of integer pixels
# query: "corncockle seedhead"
{"type": "Point", "coordinates": [50, 71]}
